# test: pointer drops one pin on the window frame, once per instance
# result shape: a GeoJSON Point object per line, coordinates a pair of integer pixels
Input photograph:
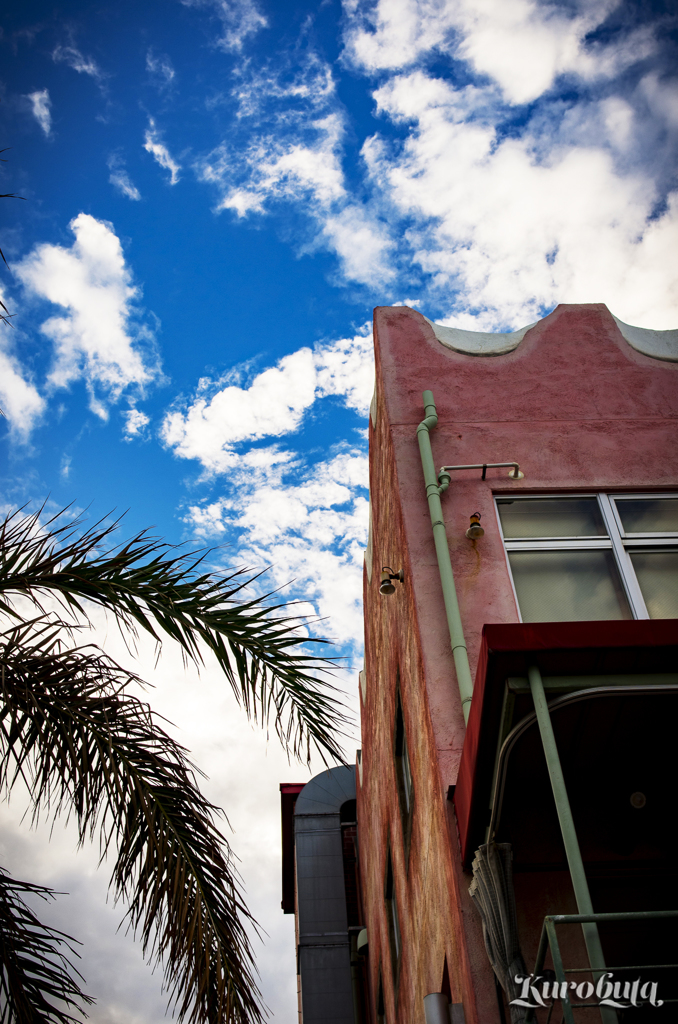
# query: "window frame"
{"type": "Point", "coordinates": [403, 772]}
{"type": "Point", "coordinates": [395, 935]}
{"type": "Point", "coordinates": [617, 540]}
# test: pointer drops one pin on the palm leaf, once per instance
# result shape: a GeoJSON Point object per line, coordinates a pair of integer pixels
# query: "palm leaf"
{"type": "Point", "coordinates": [7, 195]}
{"type": "Point", "coordinates": [87, 748]}
{"type": "Point", "coordinates": [35, 969]}
{"type": "Point", "coordinates": [149, 584]}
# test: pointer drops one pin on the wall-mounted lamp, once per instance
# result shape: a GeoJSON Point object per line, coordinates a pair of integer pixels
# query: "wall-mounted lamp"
{"type": "Point", "coordinates": [475, 530]}
{"type": "Point", "coordinates": [387, 577]}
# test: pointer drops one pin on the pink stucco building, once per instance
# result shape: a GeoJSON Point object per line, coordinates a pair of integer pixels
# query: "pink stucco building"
{"type": "Point", "coordinates": [519, 695]}
{"type": "Point", "coordinates": [553, 649]}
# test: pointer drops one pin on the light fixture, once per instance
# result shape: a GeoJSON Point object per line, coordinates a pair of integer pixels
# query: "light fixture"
{"type": "Point", "coordinates": [475, 530]}
{"type": "Point", "coordinates": [387, 577]}
{"type": "Point", "coordinates": [638, 800]}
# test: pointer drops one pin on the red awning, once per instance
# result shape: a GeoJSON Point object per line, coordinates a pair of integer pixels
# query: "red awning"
{"type": "Point", "coordinates": [556, 648]}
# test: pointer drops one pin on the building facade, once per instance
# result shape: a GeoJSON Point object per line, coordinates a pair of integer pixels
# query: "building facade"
{"type": "Point", "coordinates": [521, 668]}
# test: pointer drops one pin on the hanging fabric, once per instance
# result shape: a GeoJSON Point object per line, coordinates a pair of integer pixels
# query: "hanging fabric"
{"type": "Point", "coordinates": [492, 892]}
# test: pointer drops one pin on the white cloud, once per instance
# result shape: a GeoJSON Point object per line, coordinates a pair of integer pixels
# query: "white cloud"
{"type": "Point", "coordinates": [297, 165]}
{"type": "Point", "coordinates": [515, 225]}
{"type": "Point", "coordinates": [346, 368]}
{"type": "Point", "coordinates": [273, 405]}
{"type": "Point", "coordinates": [286, 138]}
{"type": "Point", "coordinates": [160, 68]}
{"type": "Point", "coordinates": [361, 244]}
{"type": "Point", "coordinates": [20, 401]}
{"type": "Point", "coordinates": [240, 19]}
{"type": "Point", "coordinates": [160, 152]}
{"type": "Point", "coordinates": [523, 45]}
{"type": "Point", "coordinates": [662, 97]}
{"type": "Point", "coordinates": [219, 419]}
{"type": "Point", "coordinates": [120, 179]}
{"type": "Point", "coordinates": [135, 423]}
{"type": "Point", "coordinates": [72, 56]}
{"type": "Point", "coordinates": [513, 208]}
{"type": "Point", "coordinates": [308, 524]}
{"type": "Point", "coordinates": [287, 146]}
{"type": "Point", "coordinates": [41, 108]}
{"type": "Point", "coordinates": [96, 338]}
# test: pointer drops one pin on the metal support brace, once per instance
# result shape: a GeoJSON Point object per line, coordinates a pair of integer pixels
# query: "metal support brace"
{"type": "Point", "coordinates": [570, 841]}
{"type": "Point", "coordinates": [433, 492]}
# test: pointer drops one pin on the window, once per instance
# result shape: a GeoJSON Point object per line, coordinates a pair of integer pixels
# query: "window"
{"type": "Point", "coordinates": [403, 775]}
{"type": "Point", "coordinates": [392, 920]}
{"type": "Point", "coordinates": [592, 556]}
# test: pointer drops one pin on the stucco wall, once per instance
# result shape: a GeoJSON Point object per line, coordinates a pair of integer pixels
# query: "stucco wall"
{"type": "Point", "coordinates": [579, 408]}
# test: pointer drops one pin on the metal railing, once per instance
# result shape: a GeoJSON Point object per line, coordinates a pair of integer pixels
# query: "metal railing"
{"type": "Point", "coordinates": [549, 940]}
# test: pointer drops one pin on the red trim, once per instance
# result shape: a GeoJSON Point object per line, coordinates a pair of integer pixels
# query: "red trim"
{"type": "Point", "coordinates": [289, 791]}
{"type": "Point", "coordinates": [557, 648]}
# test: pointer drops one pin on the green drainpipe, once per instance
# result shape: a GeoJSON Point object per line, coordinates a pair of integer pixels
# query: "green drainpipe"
{"type": "Point", "coordinates": [433, 492]}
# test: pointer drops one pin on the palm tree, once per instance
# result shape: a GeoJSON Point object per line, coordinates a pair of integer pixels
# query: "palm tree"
{"type": "Point", "coordinates": [86, 747]}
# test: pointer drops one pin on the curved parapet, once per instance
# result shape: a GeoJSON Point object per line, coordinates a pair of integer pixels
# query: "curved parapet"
{"type": "Point", "coordinates": [325, 793]}
{"type": "Point", "coordinates": [657, 344]}
{"type": "Point", "coordinates": [478, 343]}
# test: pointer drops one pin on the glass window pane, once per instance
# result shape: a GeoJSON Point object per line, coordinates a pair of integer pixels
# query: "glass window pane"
{"type": "Point", "coordinates": [551, 517]}
{"type": "Point", "coordinates": [568, 586]}
{"type": "Point", "coordinates": [649, 515]}
{"type": "Point", "coordinates": [657, 573]}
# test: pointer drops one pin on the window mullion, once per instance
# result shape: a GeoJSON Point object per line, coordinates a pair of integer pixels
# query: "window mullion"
{"type": "Point", "coordinates": [624, 564]}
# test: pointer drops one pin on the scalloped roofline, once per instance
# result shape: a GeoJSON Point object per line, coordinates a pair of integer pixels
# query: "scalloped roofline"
{"type": "Point", "coordinates": [657, 344]}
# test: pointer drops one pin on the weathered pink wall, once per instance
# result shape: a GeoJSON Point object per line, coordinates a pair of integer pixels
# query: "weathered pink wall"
{"type": "Point", "coordinates": [579, 409]}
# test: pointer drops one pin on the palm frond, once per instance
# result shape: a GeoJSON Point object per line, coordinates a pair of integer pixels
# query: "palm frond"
{"type": "Point", "coordinates": [149, 584]}
{"type": "Point", "coordinates": [87, 748]}
{"type": "Point", "coordinates": [37, 978]}
{"type": "Point", "coordinates": [6, 315]}
{"type": "Point", "coordinates": [7, 195]}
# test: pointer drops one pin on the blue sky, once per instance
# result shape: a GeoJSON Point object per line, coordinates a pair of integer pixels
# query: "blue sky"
{"type": "Point", "coordinates": [217, 192]}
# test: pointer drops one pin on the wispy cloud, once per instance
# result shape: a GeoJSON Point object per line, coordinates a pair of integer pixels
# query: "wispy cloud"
{"type": "Point", "coordinates": [160, 68]}
{"type": "Point", "coordinates": [97, 339]}
{"type": "Point", "coordinates": [307, 522]}
{"type": "Point", "coordinates": [240, 19]}
{"type": "Point", "coordinates": [120, 179]}
{"type": "Point", "coordinates": [70, 54]}
{"type": "Point", "coordinates": [136, 422]}
{"type": "Point", "coordinates": [41, 107]}
{"type": "Point", "coordinates": [286, 146]}
{"type": "Point", "coordinates": [494, 199]}
{"type": "Point", "coordinates": [160, 152]}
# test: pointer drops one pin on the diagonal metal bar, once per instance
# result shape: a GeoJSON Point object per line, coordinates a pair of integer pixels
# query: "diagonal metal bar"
{"type": "Point", "coordinates": [569, 834]}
